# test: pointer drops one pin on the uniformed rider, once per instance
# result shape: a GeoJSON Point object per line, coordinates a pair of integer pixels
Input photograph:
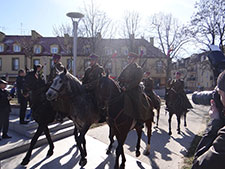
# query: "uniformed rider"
{"type": "Point", "coordinates": [136, 104]}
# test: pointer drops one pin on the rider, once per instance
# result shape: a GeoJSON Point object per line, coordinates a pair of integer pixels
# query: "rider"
{"type": "Point", "coordinates": [178, 85]}
{"type": "Point", "coordinates": [136, 104]}
{"type": "Point", "coordinates": [57, 66]}
{"type": "Point", "coordinates": [90, 80]}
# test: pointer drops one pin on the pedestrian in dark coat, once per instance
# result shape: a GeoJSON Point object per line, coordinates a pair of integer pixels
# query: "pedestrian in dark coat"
{"type": "Point", "coordinates": [136, 104]}
{"type": "Point", "coordinates": [210, 152]}
{"type": "Point", "coordinates": [4, 109]}
{"type": "Point", "coordinates": [22, 96]}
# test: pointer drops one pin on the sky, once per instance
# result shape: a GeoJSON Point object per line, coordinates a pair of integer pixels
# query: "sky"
{"type": "Point", "coordinates": [19, 17]}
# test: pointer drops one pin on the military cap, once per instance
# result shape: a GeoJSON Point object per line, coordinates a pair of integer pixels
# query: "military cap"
{"type": "Point", "coordinates": [2, 81]}
{"type": "Point", "coordinates": [94, 56]}
{"type": "Point", "coordinates": [221, 81]}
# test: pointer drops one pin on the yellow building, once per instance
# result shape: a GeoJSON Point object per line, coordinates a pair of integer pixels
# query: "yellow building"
{"type": "Point", "coordinates": [19, 52]}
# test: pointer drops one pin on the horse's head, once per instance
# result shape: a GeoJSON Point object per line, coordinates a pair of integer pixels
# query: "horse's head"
{"type": "Point", "coordinates": [58, 86]}
{"type": "Point", "coordinates": [171, 95]}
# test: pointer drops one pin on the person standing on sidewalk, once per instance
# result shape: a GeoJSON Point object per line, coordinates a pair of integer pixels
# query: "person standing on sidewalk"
{"type": "Point", "coordinates": [210, 152]}
{"type": "Point", "coordinates": [22, 98]}
{"type": "Point", "coordinates": [4, 110]}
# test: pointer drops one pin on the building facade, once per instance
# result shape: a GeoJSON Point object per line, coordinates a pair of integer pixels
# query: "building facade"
{"type": "Point", "coordinates": [18, 52]}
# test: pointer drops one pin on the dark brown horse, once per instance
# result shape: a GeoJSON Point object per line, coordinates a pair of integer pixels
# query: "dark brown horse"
{"type": "Point", "coordinates": [81, 107]}
{"type": "Point", "coordinates": [42, 112]}
{"type": "Point", "coordinates": [112, 98]}
{"type": "Point", "coordinates": [175, 105]}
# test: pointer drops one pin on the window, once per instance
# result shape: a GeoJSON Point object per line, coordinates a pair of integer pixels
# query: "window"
{"type": "Point", "coordinates": [87, 50]}
{"type": "Point", "coordinates": [37, 49]}
{"type": "Point", "coordinates": [141, 50]}
{"type": "Point", "coordinates": [159, 67]}
{"type": "Point", "coordinates": [36, 61]}
{"type": "Point", "coordinates": [124, 51]}
{"type": "Point", "coordinates": [1, 47]}
{"type": "Point", "coordinates": [54, 49]}
{"type": "Point", "coordinates": [15, 64]}
{"type": "Point", "coordinates": [108, 51]}
{"type": "Point", "coordinates": [16, 48]}
{"type": "Point", "coordinates": [0, 64]}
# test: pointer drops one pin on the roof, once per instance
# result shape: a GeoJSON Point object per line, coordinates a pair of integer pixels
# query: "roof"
{"type": "Point", "coordinates": [65, 45]}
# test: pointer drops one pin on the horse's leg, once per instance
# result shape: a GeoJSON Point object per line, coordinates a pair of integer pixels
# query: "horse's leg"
{"type": "Point", "coordinates": [50, 142]}
{"type": "Point", "coordinates": [111, 135]}
{"type": "Point", "coordinates": [157, 122]}
{"type": "Point", "coordinates": [33, 142]}
{"type": "Point", "coordinates": [149, 134]}
{"type": "Point", "coordinates": [178, 124]}
{"type": "Point", "coordinates": [185, 122]}
{"type": "Point", "coordinates": [122, 166]}
{"type": "Point", "coordinates": [81, 143]}
{"type": "Point", "coordinates": [169, 120]}
{"type": "Point", "coordinates": [139, 133]}
{"type": "Point", "coordinates": [75, 133]}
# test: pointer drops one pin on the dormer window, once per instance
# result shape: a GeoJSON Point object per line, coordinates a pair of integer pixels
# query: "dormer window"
{"type": "Point", "coordinates": [16, 48]}
{"type": "Point", "coordinates": [54, 49]}
{"type": "Point", "coordinates": [124, 51]}
{"type": "Point", "coordinates": [1, 47]}
{"type": "Point", "coordinates": [108, 51]}
{"type": "Point", "coordinates": [37, 49]}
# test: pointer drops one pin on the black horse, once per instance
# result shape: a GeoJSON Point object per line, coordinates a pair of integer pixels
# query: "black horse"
{"type": "Point", "coordinates": [81, 106]}
{"type": "Point", "coordinates": [42, 111]}
{"type": "Point", "coordinates": [110, 95]}
{"type": "Point", "coordinates": [175, 105]}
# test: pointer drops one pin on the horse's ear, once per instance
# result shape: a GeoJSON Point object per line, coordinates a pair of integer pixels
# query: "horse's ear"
{"type": "Point", "coordinates": [35, 68]}
{"type": "Point", "coordinates": [65, 71]}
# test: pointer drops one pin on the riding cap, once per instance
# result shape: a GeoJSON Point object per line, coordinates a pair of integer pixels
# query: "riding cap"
{"type": "Point", "coordinates": [39, 65]}
{"type": "Point", "coordinates": [56, 56]}
{"type": "Point", "coordinates": [178, 73]}
{"type": "Point", "coordinates": [2, 81]}
{"type": "Point", "coordinates": [221, 81]}
{"type": "Point", "coordinates": [94, 56]}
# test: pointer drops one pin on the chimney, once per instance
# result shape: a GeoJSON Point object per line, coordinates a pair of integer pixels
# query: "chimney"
{"type": "Point", "coordinates": [35, 35]}
{"type": "Point", "coordinates": [99, 36]}
{"type": "Point", "coordinates": [152, 41]}
{"type": "Point", "coordinates": [2, 36]}
{"type": "Point", "coordinates": [131, 36]}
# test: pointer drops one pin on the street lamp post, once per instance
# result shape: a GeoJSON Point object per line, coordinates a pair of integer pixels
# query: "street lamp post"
{"type": "Point", "coordinates": [75, 16]}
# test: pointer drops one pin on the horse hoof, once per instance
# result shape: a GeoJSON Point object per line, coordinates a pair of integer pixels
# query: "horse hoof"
{"type": "Point", "coordinates": [170, 133]}
{"type": "Point", "coordinates": [122, 166]}
{"type": "Point", "coordinates": [138, 153]}
{"type": "Point", "coordinates": [25, 161]}
{"type": "Point", "coordinates": [50, 152]}
{"type": "Point", "coordinates": [185, 125]}
{"type": "Point", "coordinates": [178, 132]}
{"type": "Point", "coordinates": [83, 162]}
{"type": "Point", "coordinates": [108, 152]}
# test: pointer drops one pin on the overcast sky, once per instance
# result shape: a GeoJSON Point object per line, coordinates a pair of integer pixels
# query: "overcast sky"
{"type": "Point", "coordinates": [20, 16]}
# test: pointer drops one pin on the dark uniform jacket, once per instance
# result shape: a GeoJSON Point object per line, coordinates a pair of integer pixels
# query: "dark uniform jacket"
{"type": "Point", "coordinates": [53, 72]}
{"type": "Point", "coordinates": [148, 83]}
{"type": "Point", "coordinates": [136, 104]}
{"type": "Point", "coordinates": [20, 80]}
{"type": "Point", "coordinates": [178, 86]}
{"type": "Point", "coordinates": [4, 102]}
{"type": "Point", "coordinates": [91, 77]}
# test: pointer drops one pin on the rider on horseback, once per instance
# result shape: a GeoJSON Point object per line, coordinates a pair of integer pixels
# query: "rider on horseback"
{"type": "Point", "coordinates": [178, 85]}
{"type": "Point", "coordinates": [136, 104]}
{"type": "Point", "coordinates": [90, 80]}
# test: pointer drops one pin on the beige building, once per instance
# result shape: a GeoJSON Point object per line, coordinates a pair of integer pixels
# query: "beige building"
{"type": "Point", "coordinates": [18, 52]}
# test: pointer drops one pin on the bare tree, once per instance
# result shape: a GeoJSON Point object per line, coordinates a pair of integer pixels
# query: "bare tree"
{"type": "Point", "coordinates": [208, 22]}
{"type": "Point", "coordinates": [171, 36]}
{"type": "Point", "coordinates": [63, 29]}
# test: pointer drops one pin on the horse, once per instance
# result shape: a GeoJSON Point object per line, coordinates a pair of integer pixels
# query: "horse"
{"type": "Point", "coordinates": [42, 111]}
{"type": "Point", "coordinates": [70, 93]}
{"type": "Point", "coordinates": [110, 95]}
{"type": "Point", "coordinates": [175, 106]}
{"type": "Point", "coordinates": [156, 103]}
